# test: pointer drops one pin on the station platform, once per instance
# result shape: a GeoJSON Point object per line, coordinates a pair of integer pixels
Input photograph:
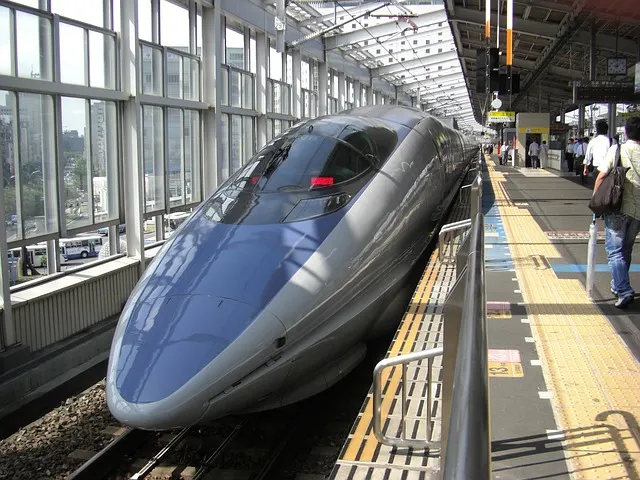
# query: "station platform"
{"type": "Point", "coordinates": [564, 370]}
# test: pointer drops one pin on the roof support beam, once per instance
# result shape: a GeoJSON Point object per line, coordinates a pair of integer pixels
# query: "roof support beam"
{"type": "Point", "coordinates": [530, 65]}
{"type": "Point", "coordinates": [412, 36]}
{"type": "Point", "coordinates": [435, 80]}
{"type": "Point", "coordinates": [408, 47]}
{"type": "Point", "coordinates": [527, 27]}
{"type": "Point", "coordinates": [420, 62]}
{"type": "Point", "coordinates": [424, 22]}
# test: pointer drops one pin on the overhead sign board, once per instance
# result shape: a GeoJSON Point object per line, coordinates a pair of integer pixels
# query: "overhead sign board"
{"type": "Point", "coordinates": [501, 117]}
{"type": "Point", "coordinates": [606, 92]}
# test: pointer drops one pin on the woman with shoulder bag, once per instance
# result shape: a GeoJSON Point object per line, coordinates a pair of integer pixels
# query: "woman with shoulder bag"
{"type": "Point", "coordinates": [622, 225]}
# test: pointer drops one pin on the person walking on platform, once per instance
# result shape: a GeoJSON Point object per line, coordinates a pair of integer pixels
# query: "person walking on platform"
{"type": "Point", "coordinates": [568, 153]}
{"type": "Point", "coordinates": [544, 154]}
{"type": "Point", "coordinates": [622, 228]}
{"type": "Point", "coordinates": [597, 149]}
{"type": "Point", "coordinates": [534, 151]}
{"type": "Point", "coordinates": [578, 158]}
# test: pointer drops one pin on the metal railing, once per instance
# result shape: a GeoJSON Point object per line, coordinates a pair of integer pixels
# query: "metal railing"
{"type": "Point", "coordinates": [465, 386]}
{"type": "Point", "coordinates": [404, 360]}
{"type": "Point", "coordinates": [470, 195]}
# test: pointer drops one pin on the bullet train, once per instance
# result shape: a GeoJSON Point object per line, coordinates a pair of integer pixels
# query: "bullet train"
{"type": "Point", "coordinates": [269, 292]}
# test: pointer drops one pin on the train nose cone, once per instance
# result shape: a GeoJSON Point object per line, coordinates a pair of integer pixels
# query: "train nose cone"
{"type": "Point", "coordinates": [167, 340]}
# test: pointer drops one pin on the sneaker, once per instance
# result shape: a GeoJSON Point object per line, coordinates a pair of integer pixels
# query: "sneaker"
{"type": "Point", "coordinates": [615, 294]}
{"type": "Point", "coordinates": [624, 302]}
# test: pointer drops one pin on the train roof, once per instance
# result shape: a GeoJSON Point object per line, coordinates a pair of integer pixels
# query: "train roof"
{"type": "Point", "coordinates": [406, 116]}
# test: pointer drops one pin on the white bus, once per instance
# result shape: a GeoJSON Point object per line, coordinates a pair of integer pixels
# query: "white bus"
{"type": "Point", "coordinates": [81, 247]}
{"type": "Point", "coordinates": [37, 254]}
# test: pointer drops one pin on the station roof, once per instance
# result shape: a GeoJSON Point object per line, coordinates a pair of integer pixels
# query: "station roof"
{"type": "Point", "coordinates": [550, 44]}
{"type": "Point", "coordinates": [408, 44]}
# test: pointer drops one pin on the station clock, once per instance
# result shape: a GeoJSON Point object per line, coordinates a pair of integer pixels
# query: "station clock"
{"type": "Point", "coordinates": [616, 66]}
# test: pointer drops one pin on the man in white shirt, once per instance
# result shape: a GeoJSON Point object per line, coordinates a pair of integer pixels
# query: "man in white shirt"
{"type": "Point", "coordinates": [534, 151]}
{"type": "Point", "coordinates": [569, 154]}
{"type": "Point", "coordinates": [597, 148]}
{"type": "Point", "coordinates": [578, 158]}
{"type": "Point", "coordinates": [544, 153]}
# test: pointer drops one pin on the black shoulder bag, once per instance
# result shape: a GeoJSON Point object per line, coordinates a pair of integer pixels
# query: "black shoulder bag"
{"type": "Point", "coordinates": [608, 198]}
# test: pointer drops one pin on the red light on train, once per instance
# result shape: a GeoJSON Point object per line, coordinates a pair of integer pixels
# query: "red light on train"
{"type": "Point", "coordinates": [321, 181]}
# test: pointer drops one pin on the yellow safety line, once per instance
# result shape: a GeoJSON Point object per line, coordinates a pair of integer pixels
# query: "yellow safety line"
{"type": "Point", "coordinates": [402, 344]}
{"type": "Point", "coordinates": [593, 377]}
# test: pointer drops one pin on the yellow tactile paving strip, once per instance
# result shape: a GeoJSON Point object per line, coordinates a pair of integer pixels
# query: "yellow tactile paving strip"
{"type": "Point", "coordinates": [360, 448]}
{"type": "Point", "coordinates": [593, 377]}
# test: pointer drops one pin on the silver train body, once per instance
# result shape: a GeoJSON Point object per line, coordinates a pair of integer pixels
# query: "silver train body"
{"type": "Point", "coordinates": [269, 292]}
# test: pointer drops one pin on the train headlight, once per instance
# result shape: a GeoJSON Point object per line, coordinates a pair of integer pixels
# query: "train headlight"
{"type": "Point", "coordinates": [309, 208]}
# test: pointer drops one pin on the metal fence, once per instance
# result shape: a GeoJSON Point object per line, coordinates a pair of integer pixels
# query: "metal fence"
{"type": "Point", "coordinates": [465, 386]}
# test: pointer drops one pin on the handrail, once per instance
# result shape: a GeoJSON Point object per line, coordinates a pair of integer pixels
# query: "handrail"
{"type": "Point", "coordinates": [450, 227]}
{"type": "Point", "coordinates": [434, 447]}
{"type": "Point", "coordinates": [468, 455]}
{"type": "Point", "coordinates": [465, 374]}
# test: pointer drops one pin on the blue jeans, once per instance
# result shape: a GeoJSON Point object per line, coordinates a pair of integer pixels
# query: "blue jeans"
{"type": "Point", "coordinates": [620, 234]}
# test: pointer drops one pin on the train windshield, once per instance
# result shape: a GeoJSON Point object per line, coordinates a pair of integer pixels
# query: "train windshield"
{"type": "Point", "coordinates": [316, 156]}
{"type": "Point", "coordinates": [311, 170]}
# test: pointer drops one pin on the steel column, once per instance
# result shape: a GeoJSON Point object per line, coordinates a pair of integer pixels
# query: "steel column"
{"type": "Point", "coordinates": [262, 62]}
{"type": "Point", "coordinates": [323, 78]}
{"type": "Point", "coordinates": [212, 91]}
{"type": "Point", "coordinates": [341, 90]}
{"type": "Point", "coordinates": [592, 52]}
{"type": "Point", "coordinates": [132, 137]}
{"type": "Point", "coordinates": [296, 77]}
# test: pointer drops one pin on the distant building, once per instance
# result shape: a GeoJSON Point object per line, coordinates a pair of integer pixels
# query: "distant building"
{"type": "Point", "coordinates": [72, 142]}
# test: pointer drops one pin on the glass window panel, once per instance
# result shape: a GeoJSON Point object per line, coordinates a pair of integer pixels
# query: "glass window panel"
{"type": "Point", "coordinates": [225, 86]}
{"type": "Point", "coordinates": [116, 16]}
{"type": "Point", "coordinates": [175, 156]}
{"type": "Point", "coordinates": [277, 103]}
{"type": "Point", "coordinates": [37, 164]}
{"type": "Point", "coordinates": [269, 96]}
{"type": "Point", "coordinates": [277, 127]}
{"type": "Point", "coordinates": [235, 90]}
{"type": "Point", "coordinates": [8, 157]}
{"type": "Point", "coordinates": [144, 20]}
{"type": "Point", "coordinates": [72, 54]}
{"type": "Point", "coordinates": [102, 64]}
{"type": "Point", "coordinates": [269, 129]}
{"type": "Point", "coordinates": [174, 25]}
{"type": "Point", "coordinates": [151, 77]}
{"type": "Point", "coordinates": [191, 85]}
{"type": "Point", "coordinates": [192, 155]}
{"type": "Point", "coordinates": [174, 75]}
{"type": "Point", "coordinates": [286, 99]}
{"type": "Point", "coordinates": [247, 92]}
{"type": "Point", "coordinates": [237, 141]}
{"type": "Point", "coordinates": [199, 34]}
{"type": "Point", "coordinates": [5, 42]}
{"type": "Point", "coordinates": [32, 34]}
{"type": "Point", "coordinates": [223, 164]}
{"type": "Point", "coordinates": [249, 138]}
{"type": "Point", "coordinates": [90, 12]}
{"type": "Point", "coordinates": [75, 154]}
{"type": "Point", "coordinates": [304, 74]}
{"type": "Point", "coordinates": [275, 64]}
{"type": "Point", "coordinates": [235, 49]}
{"type": "Point", "coordinates": [253, 55]}
{"type": "Point", "coordinates": [289, 69]}
{"type": "Point", "coordinates": [104, 160]}
{"type": "Point", "coordinates": [153, 153]}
